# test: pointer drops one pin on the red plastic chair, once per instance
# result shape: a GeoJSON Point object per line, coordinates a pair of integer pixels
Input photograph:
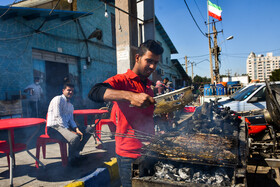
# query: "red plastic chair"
{"type": "Point", "coordinates": [110, 122]}
{"type": "Point", "coordinates": [43, 140]}
{"type": "Point", "coordinates": [4, 148]}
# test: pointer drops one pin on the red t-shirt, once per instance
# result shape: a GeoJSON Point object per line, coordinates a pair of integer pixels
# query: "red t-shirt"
{"type": "Point", "coordinates": [131, 117]}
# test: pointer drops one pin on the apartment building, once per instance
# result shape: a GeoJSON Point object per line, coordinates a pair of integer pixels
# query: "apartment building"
{"type": "Point", "coordinates": [260, 66]}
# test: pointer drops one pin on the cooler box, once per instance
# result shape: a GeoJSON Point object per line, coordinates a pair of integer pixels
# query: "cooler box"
{"type": "Point", "coordinates": [189, 109]}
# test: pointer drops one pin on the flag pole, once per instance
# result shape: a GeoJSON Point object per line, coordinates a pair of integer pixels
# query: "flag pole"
{"type": "Point", "coordinates": [210, 53]}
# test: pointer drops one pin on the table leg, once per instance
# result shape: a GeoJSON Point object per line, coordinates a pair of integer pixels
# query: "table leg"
{"type": "Point", "coordinates": [85, 120]}
{"type": "Point", "coordinates": [28, 141]}
{"type": "Point", "coordinates": [11, 157]}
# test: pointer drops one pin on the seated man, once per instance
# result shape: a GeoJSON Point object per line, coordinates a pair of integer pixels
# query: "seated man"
{"type": "Point", "coordinates": [61, 125]}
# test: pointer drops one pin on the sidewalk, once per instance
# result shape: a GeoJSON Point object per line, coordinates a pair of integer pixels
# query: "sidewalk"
{"type": "Point", "coordinates": [26, 174]}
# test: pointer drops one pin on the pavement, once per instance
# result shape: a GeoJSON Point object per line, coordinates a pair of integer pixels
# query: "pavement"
{"type": "Point", "coordinates": [26, 174]}
{"type": "Point", "coordinates": [54, 174]}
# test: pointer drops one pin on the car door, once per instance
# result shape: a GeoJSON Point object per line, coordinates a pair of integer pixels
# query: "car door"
{"type": "Point", "coordinates": [257, 101]}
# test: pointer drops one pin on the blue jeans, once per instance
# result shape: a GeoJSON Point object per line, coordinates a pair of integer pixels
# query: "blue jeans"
{"type": "Point", "coordinates": [125, 171]}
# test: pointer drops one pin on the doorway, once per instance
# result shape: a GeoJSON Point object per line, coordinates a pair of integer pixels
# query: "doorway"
{"type": "Point", "coordinates": [55, 74]}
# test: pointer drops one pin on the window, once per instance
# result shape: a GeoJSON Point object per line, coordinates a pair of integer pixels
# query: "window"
{"type": "Point", "coordinates": [260, 95]}
{"type": "Point", "coordinates": [166, 60]}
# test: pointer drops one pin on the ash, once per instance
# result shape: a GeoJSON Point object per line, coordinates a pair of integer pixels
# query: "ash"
{"type": "Point", "coordinates": [217, 176]}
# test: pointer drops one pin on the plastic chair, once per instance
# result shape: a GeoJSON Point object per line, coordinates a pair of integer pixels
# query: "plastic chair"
{"type": "Point", "coordinates": [110, 122]}
{"type": "Point", "coordinates": [4, 148]}
{"type": "Point", "coordinates": [43, 140]}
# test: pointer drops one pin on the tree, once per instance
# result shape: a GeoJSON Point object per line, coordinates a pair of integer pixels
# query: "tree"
{"type": "Point", "coordinates": [199, 80]}
{"type": "Point", "coordinates": [275, 75]}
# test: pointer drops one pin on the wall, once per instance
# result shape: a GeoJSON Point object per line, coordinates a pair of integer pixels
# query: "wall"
{"type": "Point", "coordinates": [64, 37]}
{"type": "Point", "coordinates": [169, 70]}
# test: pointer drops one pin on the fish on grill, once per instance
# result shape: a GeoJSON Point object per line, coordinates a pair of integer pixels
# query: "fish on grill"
{"type": "Point", "coordinates": [201, 147]}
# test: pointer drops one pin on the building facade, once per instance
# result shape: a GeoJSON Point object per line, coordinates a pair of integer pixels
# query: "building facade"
{"type": "Point", "coordinates": [74, 40]}
{"type": "Point", "coordinates": [259, 67]}
{"type": "Point", "coordinates": [37, 43]}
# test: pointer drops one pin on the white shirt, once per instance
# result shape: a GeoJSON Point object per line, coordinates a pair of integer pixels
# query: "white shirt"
{"type": "Point", "coordinates": [60, 112]}
{"type": "Point", "coordinates": [37, 92]}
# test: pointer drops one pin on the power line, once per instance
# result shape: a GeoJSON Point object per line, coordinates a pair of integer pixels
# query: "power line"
{"type": "Point", "coordinates": [39, 32]}
{"type": "Point", "coordinates": [199, 11]}
{"type": "Point", "coordinates": [194, 56]}
{"type": "Point", "coordinates": [8, 9]}
{"type": "Point", "coordinates": [194, 19]}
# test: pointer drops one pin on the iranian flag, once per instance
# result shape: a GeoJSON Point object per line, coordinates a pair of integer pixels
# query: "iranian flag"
{"type": "Point", "coordinates": [214, 11]}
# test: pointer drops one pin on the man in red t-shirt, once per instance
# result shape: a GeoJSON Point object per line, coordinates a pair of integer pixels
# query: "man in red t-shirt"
{"type": "Point", "coordinates": [131, 88]}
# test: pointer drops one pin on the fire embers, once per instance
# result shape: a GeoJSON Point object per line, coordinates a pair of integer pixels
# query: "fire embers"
{"type": "Point", "coordinates": [211, 176]}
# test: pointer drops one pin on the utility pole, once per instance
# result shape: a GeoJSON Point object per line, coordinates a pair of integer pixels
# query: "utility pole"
{"type": "Point", "coordinates": [216, 51]}
{"type": "Point", "coordinates": [192, 69]}
{"type": "Point", "coordinates": [228, 72]}
{"type": "Point", "coordinates": [186, 64]}
{"type": "Point", "coordinates": [210, 55]}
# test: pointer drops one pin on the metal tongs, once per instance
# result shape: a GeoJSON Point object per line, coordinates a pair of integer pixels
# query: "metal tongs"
{"type": "Point", "coordinates": [164, 106]}
{"type": "Point", "coordinates": [167, 103]}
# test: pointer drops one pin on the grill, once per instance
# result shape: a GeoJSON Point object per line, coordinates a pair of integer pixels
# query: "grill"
{"type": "Point", "coordinates": [210, 149]}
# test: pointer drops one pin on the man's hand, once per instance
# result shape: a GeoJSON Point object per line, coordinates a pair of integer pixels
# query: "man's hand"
{"type": "Point", "coordinates": [141, 100]}
{"type": "Point", "coordinates": [79, 132]}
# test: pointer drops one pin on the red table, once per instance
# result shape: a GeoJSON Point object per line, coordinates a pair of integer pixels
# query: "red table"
{"type": "Point", "coordinates": [13, 123]}
{"type": "Point", "coordinates": [86, 112]}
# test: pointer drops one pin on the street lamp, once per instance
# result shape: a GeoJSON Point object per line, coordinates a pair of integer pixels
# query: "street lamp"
{"type": "Point", "coordinates": [228, 38]}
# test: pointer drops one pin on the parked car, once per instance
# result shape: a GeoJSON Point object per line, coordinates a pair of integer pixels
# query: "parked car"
{"type": "Point", "coordinates": [249, 98]}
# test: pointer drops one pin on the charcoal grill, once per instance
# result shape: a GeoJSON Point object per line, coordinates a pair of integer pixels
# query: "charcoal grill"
{"type": "Point", "coordinates": [183, 151]}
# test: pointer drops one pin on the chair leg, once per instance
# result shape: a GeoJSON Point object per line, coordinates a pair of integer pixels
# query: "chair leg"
{"type": "Point", "coordinates": [8, 159]}
{"type": "Point", "coordinates": [63, 152]}
{"type": "Point", "coordinates": [44, 150]}
{"type": "Point", "coordinates": [98, 129]}
{"type": "Point", "coordinates": [38, 146]}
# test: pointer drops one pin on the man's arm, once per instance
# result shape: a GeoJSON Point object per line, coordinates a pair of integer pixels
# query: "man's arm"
{"type": "Point", "coordinates": [141, 100]}
{"type": "Point", "coordinates": [104, 92]}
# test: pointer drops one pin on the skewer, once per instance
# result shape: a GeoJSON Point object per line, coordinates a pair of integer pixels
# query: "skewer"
{"type": "Point", "coordinates": [124, 134]}
{"type": "Point", "coordinates": [141, 132]}
{"type": "Point", "coordinates": [127, 135]}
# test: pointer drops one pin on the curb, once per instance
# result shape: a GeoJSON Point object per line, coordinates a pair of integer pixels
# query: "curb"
{"type": "Point", "coordinates": [102, 176]}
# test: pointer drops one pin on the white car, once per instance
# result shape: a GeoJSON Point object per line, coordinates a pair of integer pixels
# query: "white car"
{"type": "Point", "coordinates": [251, 97]}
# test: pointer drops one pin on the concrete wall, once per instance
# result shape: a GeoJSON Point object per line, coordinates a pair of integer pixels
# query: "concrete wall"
{"type": "Point", "coordinates": [63, 37]}
{"type": "Point", "coordinates": [166, 65]}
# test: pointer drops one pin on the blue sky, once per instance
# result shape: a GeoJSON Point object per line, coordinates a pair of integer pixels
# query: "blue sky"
{"type": "Point", "coordinates": [254, 24]}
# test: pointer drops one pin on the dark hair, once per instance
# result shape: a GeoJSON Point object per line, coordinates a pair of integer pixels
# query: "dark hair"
{"type": "Point", "coordinates": [150, 45]}
{"type": "Point", "coordinates": [166, 78]}
{"type": "Point", "coordinates": [68, 84]}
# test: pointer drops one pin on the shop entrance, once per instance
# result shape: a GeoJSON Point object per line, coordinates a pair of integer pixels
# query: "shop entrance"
{"type": "Point", "coordinates": [55, 74]}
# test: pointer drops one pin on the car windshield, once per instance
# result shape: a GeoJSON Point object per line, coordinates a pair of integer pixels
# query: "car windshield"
{"type": "Point", "coordinates": [243, 94]}
{"type": "Point", "coordinates": [237, 92]}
